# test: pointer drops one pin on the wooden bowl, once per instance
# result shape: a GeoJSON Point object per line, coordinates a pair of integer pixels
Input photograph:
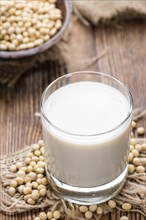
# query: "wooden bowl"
{"type": "Point", "coordinates": [65, 7]}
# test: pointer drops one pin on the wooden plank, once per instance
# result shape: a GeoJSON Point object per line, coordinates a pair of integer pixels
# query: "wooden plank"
{"type": "Point", "coordinates": [81, 47]}
{"type": "Point", "coordinates": [19, 126]}
{"type": "Point", "coordinates": [125, 60]}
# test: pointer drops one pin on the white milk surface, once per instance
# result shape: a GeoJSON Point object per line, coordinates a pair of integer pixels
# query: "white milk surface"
{"type": "Point", "coordinates": [86, 108]}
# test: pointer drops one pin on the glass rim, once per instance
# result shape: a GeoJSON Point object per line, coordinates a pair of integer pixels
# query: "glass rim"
{"type": "Point", "coordinates": [95, 73]}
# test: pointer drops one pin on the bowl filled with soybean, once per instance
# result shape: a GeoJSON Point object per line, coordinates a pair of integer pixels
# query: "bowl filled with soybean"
{"type": "Point", "coordinates": [30, 27]}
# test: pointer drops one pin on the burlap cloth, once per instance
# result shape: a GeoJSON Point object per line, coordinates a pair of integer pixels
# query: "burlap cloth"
{"type": "Point", "coordinates": [89, 12]}
{"type": "Point", "coordinates": [96, 11]}
{"type": "Point", "coordinates": [12, 69]}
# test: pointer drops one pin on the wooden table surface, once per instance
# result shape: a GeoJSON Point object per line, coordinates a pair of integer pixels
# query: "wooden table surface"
{"type": "Point", "coordinates": [125, 59]}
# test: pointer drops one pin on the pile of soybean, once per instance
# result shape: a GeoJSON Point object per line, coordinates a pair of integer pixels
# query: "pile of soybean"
{"type": "Point", "coordinates": [27, 24]}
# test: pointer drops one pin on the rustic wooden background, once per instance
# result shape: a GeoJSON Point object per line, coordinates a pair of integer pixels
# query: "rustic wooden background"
{"type": "Point", "coordinates": [125, 59]}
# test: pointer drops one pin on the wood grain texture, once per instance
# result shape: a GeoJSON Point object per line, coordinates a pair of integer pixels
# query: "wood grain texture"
{"type": "Point", "coordinates": [81, 47]}
{"type": "Point", "coordinates": [126, 56]}
{"type": "Point", "coordinates": [125, 59]}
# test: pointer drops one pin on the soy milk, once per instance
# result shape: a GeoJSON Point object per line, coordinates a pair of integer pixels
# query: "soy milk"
{"type": "Point", "coordinates": [81, 148]}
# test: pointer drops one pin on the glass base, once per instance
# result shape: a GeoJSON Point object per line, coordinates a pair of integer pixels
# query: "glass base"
{"type": "Point", "coordinates": [87, 196]}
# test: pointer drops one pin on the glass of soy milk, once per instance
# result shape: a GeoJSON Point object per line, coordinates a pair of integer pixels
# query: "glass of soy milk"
{"type": "Point", "coordinates": [86, 122]}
